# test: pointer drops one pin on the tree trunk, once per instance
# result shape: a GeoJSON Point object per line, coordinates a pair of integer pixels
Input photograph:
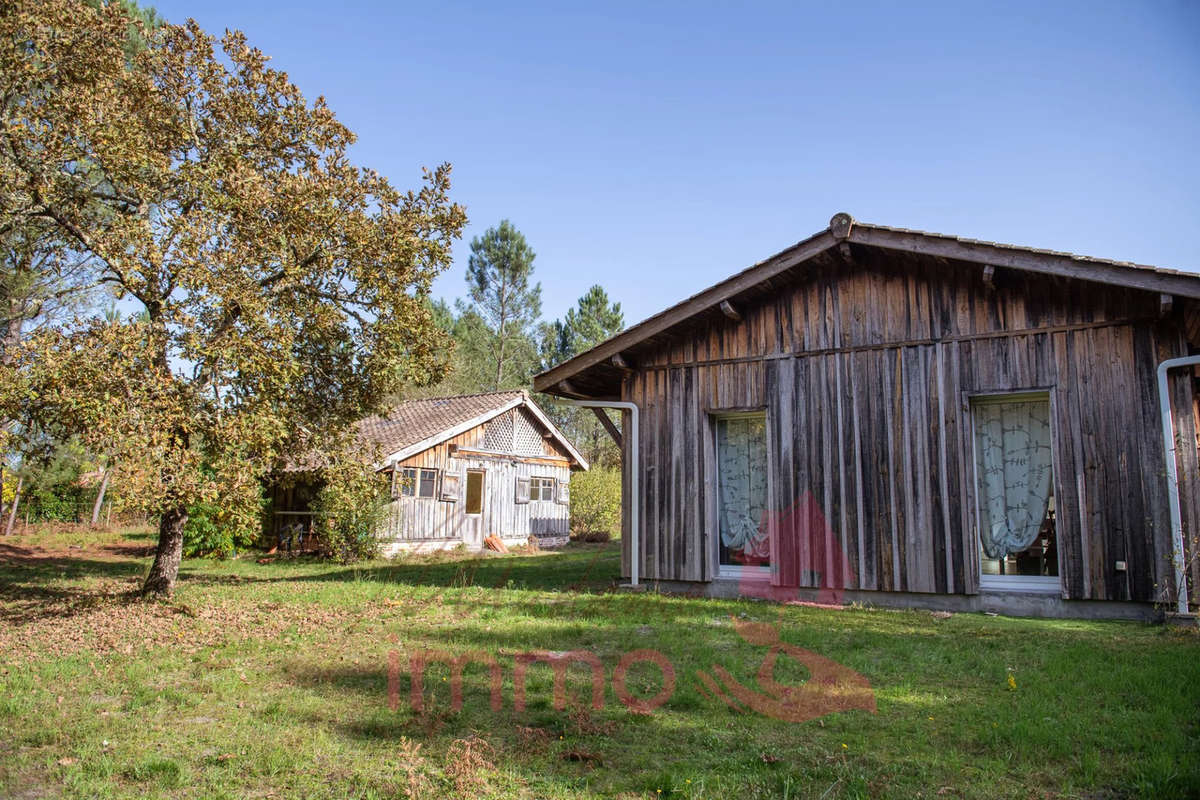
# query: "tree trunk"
{"type": "Point", "coordinates": [165, 570]}
{"type": "Point", "coordinates": [99, 504]}
{"type": "Point", "coordinates": [499, 364]}
{"type": "Point", "coordinates": [12, 512]}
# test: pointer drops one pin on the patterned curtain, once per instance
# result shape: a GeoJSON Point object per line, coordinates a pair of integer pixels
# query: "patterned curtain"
{"type": "Point", "coordinates": [1012, 451]}
{"type": "Point", "coordinates": [742, 466]}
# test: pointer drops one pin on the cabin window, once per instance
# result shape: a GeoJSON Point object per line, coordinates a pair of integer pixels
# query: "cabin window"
{"type": "Point", "coordinates": [474, 491]}
{"type": "Point", "coordinates": [541, 489]}
{"type": "Point", "coordinates": [418, 482]}
{"type": "Point", "coordinates": [1014, 482]}
{"type": "Point", "coordinates": [742, 491]}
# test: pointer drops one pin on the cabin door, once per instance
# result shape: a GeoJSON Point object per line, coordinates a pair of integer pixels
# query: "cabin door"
{"type": "Point", "coordinates": [474, 507]}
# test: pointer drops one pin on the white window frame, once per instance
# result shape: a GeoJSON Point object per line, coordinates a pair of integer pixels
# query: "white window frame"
{"type": "Point", "coordinates": [740, 571]}
{"type": "Point", "coordinates": [1026, 584]}
{"type": "Point", "coordinates": [418, 475]}
{"type": "Point", "coordinates": [538, 487]}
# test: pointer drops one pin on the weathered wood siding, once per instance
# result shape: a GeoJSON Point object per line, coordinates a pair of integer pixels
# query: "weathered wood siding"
{"type": "Point", "coordinates": [431, 518]}
{"type": "Point", "coordinates": [865, 370]}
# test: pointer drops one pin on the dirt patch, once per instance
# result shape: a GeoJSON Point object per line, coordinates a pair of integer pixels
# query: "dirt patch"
{"type": "Point", "coordinates": [56, 602]}
{"type": "Point", "coordinates": [124, 550]}
{"type": "Point", "coordinates": [16, 552]}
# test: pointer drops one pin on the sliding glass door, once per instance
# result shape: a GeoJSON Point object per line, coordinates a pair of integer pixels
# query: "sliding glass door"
{"type": "Point", "coordinates": [1014, 489]}
{"type": "Point", "coordinates": [742, 491]}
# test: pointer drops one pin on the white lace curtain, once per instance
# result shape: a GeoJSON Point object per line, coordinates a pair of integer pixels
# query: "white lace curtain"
{"type": "Point", "coordinates": [1013, 461]}
{"type": "Point", "coordinates": [742, 465]}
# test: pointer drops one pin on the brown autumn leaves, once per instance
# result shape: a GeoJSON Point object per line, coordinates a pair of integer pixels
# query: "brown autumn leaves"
{"type": "Point", "coordinates": [265, 291]}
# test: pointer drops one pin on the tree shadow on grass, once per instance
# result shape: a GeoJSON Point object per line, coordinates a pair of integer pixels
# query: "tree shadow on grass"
{"type": "Point", "coordinates": [39, 562]}
{"type": "Point", "coordinates": [582, 572]}
{"type": "Point", "coordinates": [33, 584]}
{"type": "Point", "coordinates": [558, 745]}
{"type": "Point", "coordinates": [589, 569]}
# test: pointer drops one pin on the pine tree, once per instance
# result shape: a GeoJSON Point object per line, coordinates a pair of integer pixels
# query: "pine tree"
{"type": "Point", "coordinates": [593, 320]}
{"type": "Point", "coordinates": [505, 301]}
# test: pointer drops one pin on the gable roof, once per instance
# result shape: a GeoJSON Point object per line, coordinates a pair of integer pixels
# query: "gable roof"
{"type": "Point", "coordinates": [844, 230]}
{"type": "Point", "coordinates": [417, 425]}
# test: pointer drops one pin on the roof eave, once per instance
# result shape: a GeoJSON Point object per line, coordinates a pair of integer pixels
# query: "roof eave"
{"type": "Point", "coordinates": [549, 380]}
{"type": "Point", "coordinates": [1095, 270]}
{"type": "Point", "coordinates": [844, 228]}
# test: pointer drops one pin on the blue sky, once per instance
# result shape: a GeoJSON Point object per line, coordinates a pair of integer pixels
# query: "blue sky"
{"type": "Point", "coordinates": [657, 148]}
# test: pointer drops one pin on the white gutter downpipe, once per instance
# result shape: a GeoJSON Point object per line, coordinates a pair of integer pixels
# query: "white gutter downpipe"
{"type": "Point", "coordinates": [1168, 425]}
{"type": "Point", "coordinates": [634, 470]}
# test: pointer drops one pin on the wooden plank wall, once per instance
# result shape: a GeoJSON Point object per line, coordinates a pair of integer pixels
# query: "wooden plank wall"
{"type": "Point", "coordinates": [866, 372]}
{"type": "Point", "coordinates": [423, 518]}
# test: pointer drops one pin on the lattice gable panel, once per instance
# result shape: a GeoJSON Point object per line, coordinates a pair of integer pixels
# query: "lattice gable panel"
{"type": "Point", "coordinates": [527, 437]}
{"type": "Point", "coordinates": [498, 434]}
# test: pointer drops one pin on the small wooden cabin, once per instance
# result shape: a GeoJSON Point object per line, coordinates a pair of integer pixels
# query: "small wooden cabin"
{"type": "Point", "coordinates": [467, 467]}
{"type": "Point", "coordinates": [898, 417]}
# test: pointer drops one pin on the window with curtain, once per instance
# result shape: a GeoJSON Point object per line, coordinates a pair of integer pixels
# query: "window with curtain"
{"type": "Point", "coordinates": [1014, 486]}
{"type": "Point", "coordinates": [742, 490]}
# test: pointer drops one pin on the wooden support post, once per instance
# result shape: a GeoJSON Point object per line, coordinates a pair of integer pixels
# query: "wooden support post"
{"type": "Point", "coordinates": [1166, 302]}
{"type": "Point", "coordinates": [612, 429]}
{"type": "Point", "coordinates": [728, 310]}
{"type": "Point", "coordinates": [847, 253]}
{"type": "Point", "coordinates": [989, 276]}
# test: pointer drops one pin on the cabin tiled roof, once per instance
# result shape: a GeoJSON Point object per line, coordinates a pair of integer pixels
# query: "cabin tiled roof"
{"type": "Point", "coordinates": [417, 420]}
{"type": "Point", "coordinates": [417, 425]}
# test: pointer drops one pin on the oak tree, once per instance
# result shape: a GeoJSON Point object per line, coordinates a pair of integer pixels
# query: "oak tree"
{"type": "Point", "coordinates": [273, 291]}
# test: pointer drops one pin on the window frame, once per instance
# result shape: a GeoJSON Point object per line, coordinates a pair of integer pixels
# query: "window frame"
{"type": "Point", "coordinates": [419, 476]}
{"type": "Point", "coordinates": [1025, 584]}
{"type": "Point", "coordinates": [482, 473]}
{"type": "Point", "coordinates": [741, 571]}
{"type": "Point", "coordinates": [545, 489]}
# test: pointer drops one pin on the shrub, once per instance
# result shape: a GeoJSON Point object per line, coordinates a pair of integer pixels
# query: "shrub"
{"type": "Point", "coordinates": [596, 504]}
{"type": "Point", "coordinates": [350, 508]}
{"type": "Point", "coordinates": [221, 528]}
{"type": "Point", "coordinates": [53, 503]}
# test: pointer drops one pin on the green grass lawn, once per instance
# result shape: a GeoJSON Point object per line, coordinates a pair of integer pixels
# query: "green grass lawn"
{"type": "Point", "coordinates": [271, 680]}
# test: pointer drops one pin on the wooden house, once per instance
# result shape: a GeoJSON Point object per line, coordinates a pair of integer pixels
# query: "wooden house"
{"type": "Point", "coordinates": [898, 417]}
{"type": "Point", "coordinates": [462, 469]}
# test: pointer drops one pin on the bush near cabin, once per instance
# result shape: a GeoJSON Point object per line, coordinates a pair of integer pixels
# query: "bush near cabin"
{"type": "Point", "coordinates": [350, 507]}
{"type": "Point", "coordinates": [596, 504]}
